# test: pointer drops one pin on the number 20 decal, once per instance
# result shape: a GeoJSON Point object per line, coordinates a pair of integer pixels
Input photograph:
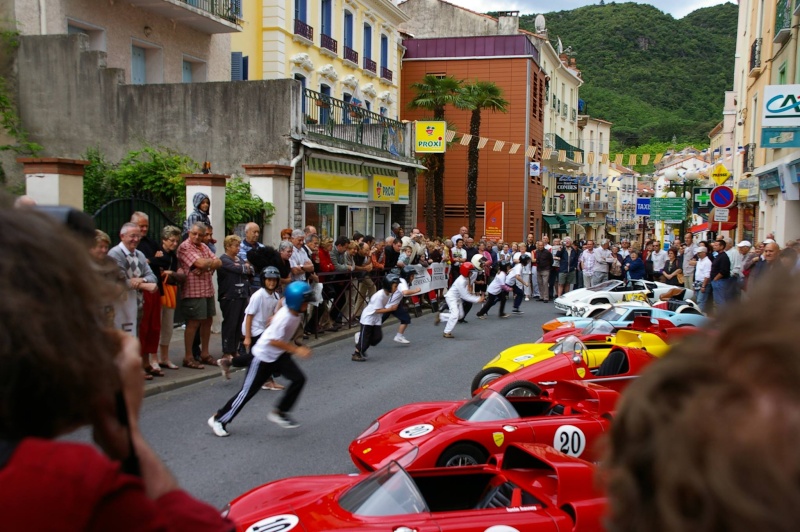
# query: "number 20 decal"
{"type": "Point", "coordinates": [570, 440]}
{"type": "Point", "coordinates": [276, 523]}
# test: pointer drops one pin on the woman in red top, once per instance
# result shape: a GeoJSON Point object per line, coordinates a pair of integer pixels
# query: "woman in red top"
{"type": "Point", "coordinates": [61, 368]}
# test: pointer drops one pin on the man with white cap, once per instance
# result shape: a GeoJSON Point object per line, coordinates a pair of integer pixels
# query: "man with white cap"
{"type": "Point", "coordinates": [736, 255]}
{"type": "Point", "coordinates": [702, 276]}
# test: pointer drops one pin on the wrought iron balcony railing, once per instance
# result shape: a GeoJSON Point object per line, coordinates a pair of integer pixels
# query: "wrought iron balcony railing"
{"type": "Point", "coordinates": [755, 56]}
{"type": "Point", "coordinates": [783, 21]}
{"type": "Point", "coordinates": [303, 30]}
{"type": "Point", "coordinates": [556, 143]}
{"type": "Point", "coordinates": [329, 43]}
{"type": "Point", "coordinates": [329, 117]}
{"type": "Point", "coordinates": [386, 74]}
{"type": "Point", "coordinates": [749, 158]}
{"type": "Point", "coordinates": [350, 55]}
{"type": "Point", "coordinates": [370, 65]}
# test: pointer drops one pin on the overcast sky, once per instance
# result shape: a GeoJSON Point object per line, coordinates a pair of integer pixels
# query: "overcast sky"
{"type": "Point", "coordinates": [677, 8]}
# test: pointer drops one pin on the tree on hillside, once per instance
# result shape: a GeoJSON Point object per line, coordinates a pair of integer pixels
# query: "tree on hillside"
{"type": "Point", "coordinates": [434, 93]}
{"type": "Point", "coordinates": [480, 95]}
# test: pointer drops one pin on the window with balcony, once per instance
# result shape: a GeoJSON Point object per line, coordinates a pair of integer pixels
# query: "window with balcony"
{"type": "Point", "coordinates": [326, 30]}
{"type": "Point", "coordinates": [301, 27]}
{"type": "Point", "coordinates": [369, 64]}
{"type": "Point", "coordinates": [783, 21]}
{"type": "Point", "coordinates": [349, 52]}
{"type": "Point", "coordinates": [385, 72]}
{"type": "Point", "coordinates": [300, 10]}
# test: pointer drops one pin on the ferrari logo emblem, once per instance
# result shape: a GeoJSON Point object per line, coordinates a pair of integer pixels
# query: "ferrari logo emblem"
{"type": "Point", "coordinates": [368, 449]}
{"type": "Point", "coordinates": [499, 438]}
{"type": "Point", "coordinates": [581, 372]}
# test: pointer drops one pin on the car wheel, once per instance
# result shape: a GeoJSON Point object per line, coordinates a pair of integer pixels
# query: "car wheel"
{"type": "Point", "coordinates": [462, 454]}
{"type": "Point", "coordinates": [521, 389]}
{"type": "Point", "coordinates": [484, 377]}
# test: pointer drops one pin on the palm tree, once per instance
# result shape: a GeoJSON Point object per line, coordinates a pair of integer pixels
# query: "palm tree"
{"type": "Point", "coordinates": [480, 95]}
{"type": "Point", "coordinates": [434, 93]}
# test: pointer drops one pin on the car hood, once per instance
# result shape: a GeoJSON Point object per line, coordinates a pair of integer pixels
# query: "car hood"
{"type": "Point", "coordinates": [521, 355]}
{"type": "Point", "coordinates": [559, 367]}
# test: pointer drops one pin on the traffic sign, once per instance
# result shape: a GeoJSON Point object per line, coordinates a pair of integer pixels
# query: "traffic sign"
{"type": "Point", "coordinates": [721, 215]}
{"type": "Point", "coordinates": [663, 209]}
{"type": "Point", "coordinates": [643, 206]}
{"type": "Point", "coordinates": [722, 197]}
{"type": "Point", "coordinates": [720, 174]}
{"type": "Point", "coordinates": [702, 197]}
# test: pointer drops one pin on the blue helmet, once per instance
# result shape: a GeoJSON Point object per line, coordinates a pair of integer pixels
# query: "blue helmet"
{"type": "Point", "coordinates": [297, 293]}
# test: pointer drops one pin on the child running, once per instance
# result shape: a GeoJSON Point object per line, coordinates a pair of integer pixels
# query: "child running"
{"type": "Point", "coordinates": [498, 291]}
{"type": "Point", "coordinates": [406, 276]}
{"type": "Point", "coordinates": [370, 333]}
{"type": "Point", "coordinates": [262, 306]}
{"type": "Point", "coordinates": [458, 292]}
{"type": "Point", "coordinates": [273, 353]}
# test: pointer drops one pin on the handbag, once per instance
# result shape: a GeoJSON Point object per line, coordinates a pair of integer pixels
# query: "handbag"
{"type": "Point", "coordinates": [169, 298]}
{"type": "Point", "coordinates": [681, 278]}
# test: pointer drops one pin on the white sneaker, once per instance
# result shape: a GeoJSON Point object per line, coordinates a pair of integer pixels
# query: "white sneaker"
{"type": "Point", "coordinates": [527, 299]}
{"type": "Point", "coordinates": [217, 427]}
{"type": "Point", "coordinates": [358, 337]}
{"type": "Point", "coordinates": [283, 420]}
{"type": "Point", "coordinates": [400, 339]}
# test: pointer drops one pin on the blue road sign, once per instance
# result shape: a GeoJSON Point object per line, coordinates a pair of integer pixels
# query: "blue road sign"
{"type": "Point", "coordinates": [722, 197]}
{"type": "Point", "coordinates": [643, 206]}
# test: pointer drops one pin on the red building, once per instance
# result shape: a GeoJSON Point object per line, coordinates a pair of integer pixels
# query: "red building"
{"type": "Point", "coordinates": [512, 63]}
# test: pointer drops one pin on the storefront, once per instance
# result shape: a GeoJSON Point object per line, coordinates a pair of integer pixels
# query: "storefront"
{"type": "Point", "coordinates": [342, 196]}
{"type": "Point", "coordinates": [779, 205]}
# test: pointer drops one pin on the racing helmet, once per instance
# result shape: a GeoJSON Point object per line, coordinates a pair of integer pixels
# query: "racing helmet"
{"type": "Point", "coordinates": [395, 271]}
{"type": "Point", "coordinates": [389, 280]}
{"type": "Point", "coordinates": [478, 260]}
{"type": "Point", "coordinates": [297, 293]}
{"type": "Point", "coordinates": [408, 272]}
{"type": "Point", "coordinates": [466, 269]}
{"type": "Point", "coordinates": [504, 265]}
{"type": "Point", "coordinates": [270, 272]}
{"type": "Point", "coordinates": [525, 260]}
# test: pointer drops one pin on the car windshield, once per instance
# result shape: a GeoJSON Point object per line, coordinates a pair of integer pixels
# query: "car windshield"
{"type": "Point", "coordinates": [487, 406]}
{"type": "Point", "coordinates": [387, 491]}
{"type": "Point", "coordinates": [570, 344]}
{"type": "Point", "coordinates": [606, 286]}
{"type": "Point", "coordinates": [598, 326]}
{"type": "Point", "coordinates": [612, 314]}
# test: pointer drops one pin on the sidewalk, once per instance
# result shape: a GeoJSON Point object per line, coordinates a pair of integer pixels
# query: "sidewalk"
{"type": "Point", "coordinates": [174, 379]}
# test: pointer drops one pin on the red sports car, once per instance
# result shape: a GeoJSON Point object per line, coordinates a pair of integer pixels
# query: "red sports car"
{"type": "Point", "coordinates": [618, 369]}
{"type": "Point", "coordinates": [570, 416]}
{"type": "Point", "coordinates": [535, 488]}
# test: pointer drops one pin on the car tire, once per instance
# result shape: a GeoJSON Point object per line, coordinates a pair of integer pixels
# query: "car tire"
{"type": "Point", "coordinates": [462, 454]}
{"type": "Point", "coordinates": [521, 389]}
{"type": "Point", "coordinates": [484, 377]}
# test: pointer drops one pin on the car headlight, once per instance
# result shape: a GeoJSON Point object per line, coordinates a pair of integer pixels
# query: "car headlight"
{"type": "Point", "coordinates": [580, 311]}
{"type": "Point", "coordinates": [371, 430]}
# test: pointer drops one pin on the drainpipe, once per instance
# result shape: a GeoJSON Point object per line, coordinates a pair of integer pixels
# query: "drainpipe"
{"type": "Point", "coordinates": [43, 17]}
{"type": "Point", "coordinates": [292, 180]}
{"type": "Point", "coordinates": [526, 215]}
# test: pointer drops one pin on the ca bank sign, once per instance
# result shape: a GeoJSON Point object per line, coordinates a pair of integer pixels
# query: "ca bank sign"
{"type": "Point", "coordinates": [781, 106]}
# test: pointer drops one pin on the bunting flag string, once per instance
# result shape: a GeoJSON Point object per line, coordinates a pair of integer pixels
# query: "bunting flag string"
{"type": "Point", "coordinates": [579, 157]}
{"type": "Point", "coordinates": [658, 158]}
{"type": "Point", "coordinates": [465, 138]}
{"type": "Point", "coordinates": [618, 159]}
{"type": "Point", "coordinates": [514, 148]}
{"type": "Point", "coordinates": [547, 152]}
{"type": "Point", "coordinates": [482, 142]}
{"type": "Point", "coordinates": [645, 158]}
{"type": "Point", "coordinates": [590, 158]}
{"type": "Point", "coordinates": [498, 145]}
{"type": "Point", "coordinates": [604, 158]}
{"type": "Point", "coordinates": [632, 159]}
{"type": "Point", "coordinates": [450, 135]}
{"type": "Point", "coordinates": [562, 156]}
{"type": "Point", "coordinates": [531, 152]}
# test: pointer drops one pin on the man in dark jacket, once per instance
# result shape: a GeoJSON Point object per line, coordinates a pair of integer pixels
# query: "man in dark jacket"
{"type": "Point", "coordinates": [567, 266]}
{"type": "Point", "coordinates": [720, 273]}
{"type": "Point", "coordinates": [544, 261]}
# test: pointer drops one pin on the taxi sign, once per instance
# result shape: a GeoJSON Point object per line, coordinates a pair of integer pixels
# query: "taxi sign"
{"type": "Point", "coordinates": [429, 136]}
{"type": "Point", "coordinates": [720, 174]}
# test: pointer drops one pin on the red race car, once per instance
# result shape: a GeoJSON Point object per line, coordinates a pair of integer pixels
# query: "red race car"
{"type": "Point", "coordinates": [535, 488]}
{"type": "Point", "coordinates": [570, 416]}
{"type": "Point", "coordinates": [622, 365]}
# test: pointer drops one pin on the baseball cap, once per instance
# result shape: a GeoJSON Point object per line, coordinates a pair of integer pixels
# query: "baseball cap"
{"type": "Point", "coordinates": [744, 244]}
{"type": "Point", "coordinates": [703, 249]}
{"type": "Point", "coordinates": [768, 241]}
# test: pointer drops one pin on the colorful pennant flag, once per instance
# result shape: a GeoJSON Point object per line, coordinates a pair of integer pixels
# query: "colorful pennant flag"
{"type": "Point", "coordinates": [632, 159]}
{"type": "Point", "coordinates": [547, 153]}
{"type": "Point", "coordinates": [618, 159]}
{"type": "Point", "coordinates": [514, 148]}
{"type": "Point", "coordinates": [465, 139]}
{"type": "Point", "coordinates": [658, 158]}
{"type": "Point", "coordinates": [450, 135]}
{"type": "Point", "coordinates": [482, 142]}
{"type": "Point", "coordinates": [530, 152]}
{"type": "Point", "coordinates": [579, 157]}
{"type": "Point", "coordinates": [604, 158]}
{"type": "Point", "coordinates": [562, 156]}
{"type": "Point", "coordinates": [498, 145]}
{"type": "Point", "coordinates": [645, 158]}
{"type": "Point", "coordinates": [590, 158]}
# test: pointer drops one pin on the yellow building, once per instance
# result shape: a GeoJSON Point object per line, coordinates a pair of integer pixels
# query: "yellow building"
{"type": "Point", "coordinates": [344, 49]}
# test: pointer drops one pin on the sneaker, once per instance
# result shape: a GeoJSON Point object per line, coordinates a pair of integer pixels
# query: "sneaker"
{"type": "Point", "coordinates": [283, 420]}
{"type": "Point", "coordinates": [481, 317]}
{"type": "Point", "coordinates": [217, 427]}
{"type": "Point", "coordinates": [462, 321]}
{"type": "Point", "coordinates": [527, 299]}
{"type": "Point", "coordinates": [438, 319]}
{"type": "Point", "coordinates": [517, 311]}
{"type": "Point", "coordinates": [225, 364]}
{"type": "Point", "coordinates": [400, 339]}
{"type": "Point", "coordinates": [358, 358]}
{"type": "Point", "coordinates": [505, 315]}
{"type": "Point", "coordinates": [358, 337]}
{"type": "Point", "coordinates": [448, 335]}
{"type": "Point", "coordinates": [273, 386]}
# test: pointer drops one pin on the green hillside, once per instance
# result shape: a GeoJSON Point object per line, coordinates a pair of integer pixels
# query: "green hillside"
{"type": "Point", "coordinates": [653, 76]}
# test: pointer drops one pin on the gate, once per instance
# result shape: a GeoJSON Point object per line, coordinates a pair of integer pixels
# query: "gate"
{"type": "Point", "coordinates": [111, 216]}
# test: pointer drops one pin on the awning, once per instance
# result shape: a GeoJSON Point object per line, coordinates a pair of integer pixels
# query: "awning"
{"type": "Point", "coordinates": [553, 221]}
{"type": "Point", "coordinates": [329, 149]}
{"type": "Point", "coordinates": [567, 219]}
{"type": "Point", "coordinates": [612, 233]}
{"type": "Point", "coordinates": [726, 226]}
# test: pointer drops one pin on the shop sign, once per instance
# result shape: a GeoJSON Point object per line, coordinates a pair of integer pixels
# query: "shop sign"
{"type": "Point", "coordinates": [429, 136]}
{"type": "Point", "coordinates": [781, 106]}
{"type": "Point", "coordinates": [780, 137]}
{"type": "Point", "coordinates": [567, 184]}
{"type": "Point", "coordinates": [384, 188]}
{"type": "Point", "coordinates": [770, 180]}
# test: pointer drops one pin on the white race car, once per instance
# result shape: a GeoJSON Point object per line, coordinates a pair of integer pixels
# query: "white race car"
{"type": "Point", "coordinates": [613, 292]}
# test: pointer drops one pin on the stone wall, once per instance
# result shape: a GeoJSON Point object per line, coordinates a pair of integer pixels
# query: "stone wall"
{"type": "Point", "coordinates": [433, 18]}
{"type": "Point", "coordinates": [69, 101]}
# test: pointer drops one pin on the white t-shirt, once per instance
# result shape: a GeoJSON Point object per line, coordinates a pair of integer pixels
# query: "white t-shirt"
{"type": "Point", "coordinates": [283, 327]}
{"type": "Point", "coordinates": [261, 306]}
{"type": "Point", "coordinates": [659, 258]}
{"type": "Point", "coordinates": [460, 291]}
{"type": "Point", "coordinates": [298, 258]}
{"type": "Point", "coordinates": [511, 279]}
{"type": "Point", "coordinates": [496, 286]}
{"type": "Point", "coordinates": [378, 301]}
{"type": "Point", "coordinates": [397, 295]}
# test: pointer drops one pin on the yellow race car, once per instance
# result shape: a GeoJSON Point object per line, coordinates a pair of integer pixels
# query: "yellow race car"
{"type": "Point", "coordinates": [597, 348]}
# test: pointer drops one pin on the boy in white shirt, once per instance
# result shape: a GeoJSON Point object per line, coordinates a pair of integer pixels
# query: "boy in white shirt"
{"type": "Point", "coordinates": [371, 319]}
{"type": "Point", "coordinates": [273, 353]}
{"type": "Point", "coordinates": [458, 292]}
{"type": "Point", "coordinates": [406, 276]}
{"type": "Point", "coordinates": [516, 280]}
{"type": "Point", "coordinates": [498, 291]}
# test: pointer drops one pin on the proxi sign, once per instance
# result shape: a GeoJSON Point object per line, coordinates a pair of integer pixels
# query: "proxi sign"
{"type": "Point", "coordinates": [429, 137]}
{"type": "Point", "coordinates": [781, 105]}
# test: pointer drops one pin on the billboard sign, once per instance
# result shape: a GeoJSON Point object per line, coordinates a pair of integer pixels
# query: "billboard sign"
{"type": "Point", "coordinates": [781, 106]}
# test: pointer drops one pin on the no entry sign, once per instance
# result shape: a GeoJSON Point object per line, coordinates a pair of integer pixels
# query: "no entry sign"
{"type": "Point", "coordinates": [722, 197]}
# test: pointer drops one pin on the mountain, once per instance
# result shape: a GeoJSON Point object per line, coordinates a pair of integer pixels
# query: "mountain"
{"type": "Point", "coordinates": [653, 76]}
